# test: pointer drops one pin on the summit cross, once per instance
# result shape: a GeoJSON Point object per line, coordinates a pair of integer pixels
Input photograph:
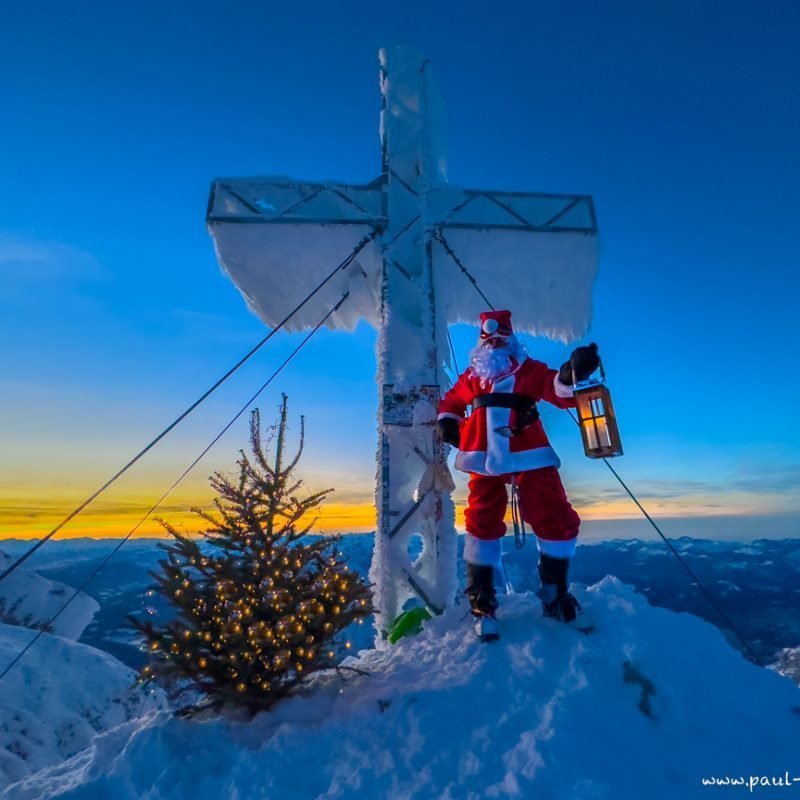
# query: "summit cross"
{"type": "Point", "coordinates": [421, 249]}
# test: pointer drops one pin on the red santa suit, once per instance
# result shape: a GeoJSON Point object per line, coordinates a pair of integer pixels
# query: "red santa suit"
{"type": "Point", "coordinates": [495, 448]}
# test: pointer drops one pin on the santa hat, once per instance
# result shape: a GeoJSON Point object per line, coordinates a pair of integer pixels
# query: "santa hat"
{"type": "Point", "coordinates": [496, 323]}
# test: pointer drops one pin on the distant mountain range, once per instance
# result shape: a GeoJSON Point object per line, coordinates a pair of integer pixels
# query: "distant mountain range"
{"type": "Point", "coordinates": [757, 583]}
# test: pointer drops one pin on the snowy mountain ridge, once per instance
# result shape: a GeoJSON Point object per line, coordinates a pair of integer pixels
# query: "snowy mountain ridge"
{"type": "Point", "coordinates": [650, 704]}
{"type": "Point", "coordinates": [28, 599]}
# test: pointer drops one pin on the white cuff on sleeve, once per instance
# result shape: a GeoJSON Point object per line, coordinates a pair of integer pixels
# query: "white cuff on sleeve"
{"type": "Point", "coordinates": [562, 390]}
{"type": "Point", "coordinates": [448, 415]}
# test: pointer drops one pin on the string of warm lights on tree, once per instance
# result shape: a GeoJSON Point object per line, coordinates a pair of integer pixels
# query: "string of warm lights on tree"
{"type": "Point", "coordinates": [259, 603]}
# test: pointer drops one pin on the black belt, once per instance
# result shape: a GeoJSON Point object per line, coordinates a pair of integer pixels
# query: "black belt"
{"type": "Point", "coordinates": [525, 406]}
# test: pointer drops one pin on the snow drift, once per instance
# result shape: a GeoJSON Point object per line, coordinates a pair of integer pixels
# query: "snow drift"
{"type": "Point", "coordinates": [650, 704]}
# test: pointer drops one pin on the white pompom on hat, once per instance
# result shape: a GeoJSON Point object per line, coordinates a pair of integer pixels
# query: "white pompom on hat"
{"type": "Point", "coordinates": [496, 323]}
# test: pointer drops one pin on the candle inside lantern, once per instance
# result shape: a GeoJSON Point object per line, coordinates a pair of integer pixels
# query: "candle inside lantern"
{"type": "Point", "coordinates": [602, 432]}
{"type": "Point", "coordinates": [597, 421]}
{"type": "Point", "coordinates": [591, 433]}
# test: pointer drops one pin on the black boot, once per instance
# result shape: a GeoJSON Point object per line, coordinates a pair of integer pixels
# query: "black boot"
{"type": "Point", "coordinates": [556, 600]}
{"type": "Point", "coordinates": [480, 590]}
{"type": "Point", "coordinates": [482, 600]}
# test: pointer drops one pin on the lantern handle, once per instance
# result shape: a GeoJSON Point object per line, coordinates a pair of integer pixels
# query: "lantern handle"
{"type": "Point", "coordinates": [599, 364]}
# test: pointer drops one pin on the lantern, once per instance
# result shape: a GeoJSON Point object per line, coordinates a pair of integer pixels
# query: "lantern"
{"type": "Point", "coordinates": [596, 417]}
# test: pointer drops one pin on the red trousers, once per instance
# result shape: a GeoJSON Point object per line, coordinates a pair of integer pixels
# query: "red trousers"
{"type": "Point", "coordinates": [543, 503]}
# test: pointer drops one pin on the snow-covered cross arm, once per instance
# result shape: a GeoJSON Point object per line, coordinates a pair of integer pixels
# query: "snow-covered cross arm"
{"type": "Point", "coordinates": [423, 248]}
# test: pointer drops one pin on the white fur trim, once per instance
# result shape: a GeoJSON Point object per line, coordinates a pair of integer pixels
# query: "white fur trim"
{"type": "Point", "coordinates": [531, 459]}
{"type": "Point", "coordinates": [482, 552]}
{"type": "Point", "coordinates": [476, 461]}
{"type": "Point", "coordinates": [448, 415]}
{"type": "Point", "coordinates": [497, 446]}
{"type": "Point", "coordinates": [498, 458]}
{"type": "Point", "coordinates": [562, 389]}
{"type": "Point", "coordinates": [557, 549]}
{"type": "Point", "coordinates": [471, 461]}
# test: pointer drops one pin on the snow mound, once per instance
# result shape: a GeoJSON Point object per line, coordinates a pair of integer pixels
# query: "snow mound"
{"type": "Point", "coordinates": [28, 599]}
{"type": "Point", "coordinates": [57, 698]}
{"type": "Point", "coordinates": [648, 705]}
{"type": "Point", "coordinates": [787, 662]}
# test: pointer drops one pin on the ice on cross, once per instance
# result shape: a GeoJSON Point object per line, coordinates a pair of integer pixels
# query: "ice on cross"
{"type": "Point", "coordinates": [423, 248]}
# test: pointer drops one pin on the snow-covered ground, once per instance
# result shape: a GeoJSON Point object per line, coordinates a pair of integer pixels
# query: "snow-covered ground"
{"type": "Point", "coordinates": [57, 698]}
{"type": "Point", "coordinates": [648, 705]}
{"type": "Point", "coordinates": [787, 662]}
{"type": "Point", "coordinates": [60, 694]}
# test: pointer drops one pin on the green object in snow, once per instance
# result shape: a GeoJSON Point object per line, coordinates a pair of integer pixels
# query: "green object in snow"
{"type": "Point", "coordinates": [408, 623]}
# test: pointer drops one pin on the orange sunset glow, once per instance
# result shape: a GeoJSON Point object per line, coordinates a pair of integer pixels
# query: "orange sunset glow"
{"type": "Point", "coordinates": [30, 518]}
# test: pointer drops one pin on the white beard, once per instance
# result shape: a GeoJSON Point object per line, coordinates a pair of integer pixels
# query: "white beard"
{"type": "Point", "coordinates": [489, 363]}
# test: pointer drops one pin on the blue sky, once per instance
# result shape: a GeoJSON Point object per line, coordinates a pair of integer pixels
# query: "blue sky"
{"type": "Point", "coordinates": [681, 119]}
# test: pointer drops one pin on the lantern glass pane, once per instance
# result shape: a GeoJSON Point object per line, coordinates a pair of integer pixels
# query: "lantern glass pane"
{"type": "Point", "coordinates": [602, 432]}
{"type": "Point", "coordinates": [597, 406]}
{"type": "Point", "coordinates": [591, 434]}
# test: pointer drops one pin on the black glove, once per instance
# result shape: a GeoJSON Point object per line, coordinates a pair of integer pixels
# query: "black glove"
{"type": "Point", "coordinates": [586, 361]}
{"type": "Point", "coordinates": [447, 429]}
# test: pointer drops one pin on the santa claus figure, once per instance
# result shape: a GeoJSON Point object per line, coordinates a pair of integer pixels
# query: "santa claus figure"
{"type": "Point", "coordinates": [502, 442]}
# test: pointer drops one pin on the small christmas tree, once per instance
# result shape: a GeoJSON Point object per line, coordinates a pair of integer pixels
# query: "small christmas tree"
{"type": "Point", "coordinates": [259, 603]}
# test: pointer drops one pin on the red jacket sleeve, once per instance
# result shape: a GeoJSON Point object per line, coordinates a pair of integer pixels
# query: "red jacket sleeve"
{"type": "Point", "coordinates": [456, 400]}
{"type": "Point", "coordinates": [551, 389]}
